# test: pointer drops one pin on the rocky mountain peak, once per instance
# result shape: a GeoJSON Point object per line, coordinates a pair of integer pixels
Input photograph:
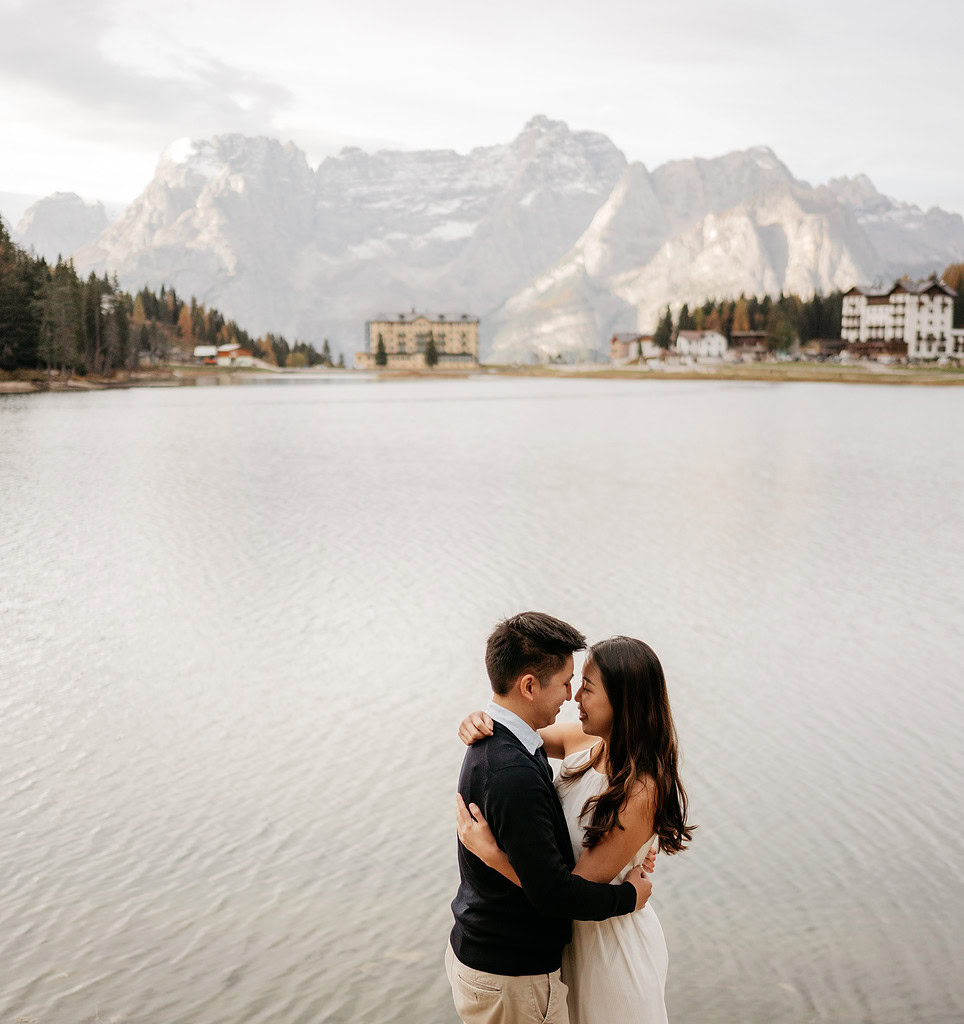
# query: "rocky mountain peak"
{"type": "Point", "coordinates": [59, 224]}
{"type": "Point", "coordinates": [855, 191]}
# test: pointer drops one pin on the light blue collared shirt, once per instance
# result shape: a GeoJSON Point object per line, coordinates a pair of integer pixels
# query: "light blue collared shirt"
{"type": "Point", "coordinates": [526, 735]}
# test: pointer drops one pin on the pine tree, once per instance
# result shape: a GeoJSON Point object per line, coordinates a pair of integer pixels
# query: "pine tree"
{"type": "Point", "coordinates": [326, 353]}
{"type": "Point", "coordinates": [341, 360]}
{"type": "Point", "coordinates": [61, 321]}
{"type": "Point", "coordinates": [381, 356]}
{"type": "Point", "coordinates": [664, 331]}
{"type": "Point", "coordinates": [281, 350]}
{"type": "Point", "coordinates": [21, 281]}
{"type": "Point", "coordinates": [780, 333]}
{"type": "Point", "coordinates": [431, 353]}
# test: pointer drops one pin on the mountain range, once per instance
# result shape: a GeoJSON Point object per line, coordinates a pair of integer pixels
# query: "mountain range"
{"type": "Point", "coordinates": [554, 239]}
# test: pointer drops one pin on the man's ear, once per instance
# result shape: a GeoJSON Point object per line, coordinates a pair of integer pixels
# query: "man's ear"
{"type": "Point", "coordinates": [528, 685]}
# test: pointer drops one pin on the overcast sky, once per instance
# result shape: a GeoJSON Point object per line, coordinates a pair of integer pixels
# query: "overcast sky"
{"type": "Point", "coordinates": [91, 91]}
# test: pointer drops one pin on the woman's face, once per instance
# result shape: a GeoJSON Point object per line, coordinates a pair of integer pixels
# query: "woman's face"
{"type": "Point", "coordinates": [595, 711]}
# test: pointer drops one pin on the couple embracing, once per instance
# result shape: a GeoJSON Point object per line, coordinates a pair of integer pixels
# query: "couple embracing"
{"type": "Point", "coordinates": [552, 922]}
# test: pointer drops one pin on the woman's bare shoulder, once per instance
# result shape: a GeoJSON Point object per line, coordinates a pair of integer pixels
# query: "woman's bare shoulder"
{"type": "Point", "coordinates": [565, 738]}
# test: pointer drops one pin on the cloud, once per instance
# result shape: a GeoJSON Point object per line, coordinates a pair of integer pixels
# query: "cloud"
{"type": "Point", "coordinates": [94, 81]}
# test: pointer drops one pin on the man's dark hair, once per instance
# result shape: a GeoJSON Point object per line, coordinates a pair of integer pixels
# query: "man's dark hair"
{"type": "Point", "coordinates": [529, 642]}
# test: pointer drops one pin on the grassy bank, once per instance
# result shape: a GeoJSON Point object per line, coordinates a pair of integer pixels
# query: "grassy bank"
{"type": "Point", "coordinates": [863, 373]}
{"type": "Point", "coordinates": [22, 381]}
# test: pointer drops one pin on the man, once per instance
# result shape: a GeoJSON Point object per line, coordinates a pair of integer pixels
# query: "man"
{"type": "Point", "coordinates": [505, 950]}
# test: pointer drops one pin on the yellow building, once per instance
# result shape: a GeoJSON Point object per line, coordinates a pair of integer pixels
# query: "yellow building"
{"type": "Point", "coordinates": [407, 336]}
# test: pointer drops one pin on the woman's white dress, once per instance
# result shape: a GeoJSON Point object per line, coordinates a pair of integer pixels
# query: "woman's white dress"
{"type": "Point", "coordinates": [615, 969]}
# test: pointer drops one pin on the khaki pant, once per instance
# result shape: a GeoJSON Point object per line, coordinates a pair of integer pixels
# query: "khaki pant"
{"type": "Point", "coordinates": [482, 998]}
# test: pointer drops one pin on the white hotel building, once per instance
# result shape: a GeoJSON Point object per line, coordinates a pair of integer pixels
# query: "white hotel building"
{"type": "Point", "coordinates": [918, 315]}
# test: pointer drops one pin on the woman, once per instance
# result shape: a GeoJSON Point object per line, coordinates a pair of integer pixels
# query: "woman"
{"type": "Point", "coordinates": [620, 790]}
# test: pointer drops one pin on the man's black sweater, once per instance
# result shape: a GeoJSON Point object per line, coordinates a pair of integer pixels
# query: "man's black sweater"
{"type": "Point", "coordinates": [499, 927]}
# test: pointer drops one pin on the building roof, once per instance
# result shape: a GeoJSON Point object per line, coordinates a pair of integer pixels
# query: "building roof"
{"type": "Point", "coordinates": [200, 351]}
{"type": "Point", "coordinates": [405, 318]}
{"type": "Point", "coordinates": [902, 284]}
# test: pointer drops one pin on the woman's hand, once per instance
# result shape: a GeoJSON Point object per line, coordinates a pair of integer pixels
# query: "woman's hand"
{"type": "Point", "coordinates": [475, 726]}
{"type": "Point", "coordinates": [649, 862]}
{"type": "Point", "coordinates": [475, 834]}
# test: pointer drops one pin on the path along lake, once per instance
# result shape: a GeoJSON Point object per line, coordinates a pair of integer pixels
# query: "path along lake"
{"type": "Point", "coordinates": [239, 626]}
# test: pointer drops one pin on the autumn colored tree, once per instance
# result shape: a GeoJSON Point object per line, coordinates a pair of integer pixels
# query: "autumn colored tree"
{"type": "Point", "coordinates": [953, 277]}
{"type": "Point", "coordinates": [185, 323]}
{"type": "Point", "coordinates": [741, 316]}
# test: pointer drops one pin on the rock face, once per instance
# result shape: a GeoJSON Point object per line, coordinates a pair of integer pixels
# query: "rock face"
{"type": "Point", "coordinates": [59, 225]}
{"type": "Point", "coordinates": [246, 225]}
{"type": "Point", "coordinates": [553, 239]}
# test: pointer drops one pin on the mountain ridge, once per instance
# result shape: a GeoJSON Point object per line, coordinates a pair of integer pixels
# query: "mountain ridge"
{"type": "Point", "coordinates": [553, 238]}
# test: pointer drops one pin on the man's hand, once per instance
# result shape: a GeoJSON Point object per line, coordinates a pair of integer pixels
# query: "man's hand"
{"type": "Point", "coordinates": [475, 726]}
{"type": "Point", "coordinates": [642, 885]}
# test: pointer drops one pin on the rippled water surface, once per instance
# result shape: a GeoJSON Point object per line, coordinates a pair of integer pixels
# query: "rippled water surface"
{"type": "Point", "coordinates": [238, 627]}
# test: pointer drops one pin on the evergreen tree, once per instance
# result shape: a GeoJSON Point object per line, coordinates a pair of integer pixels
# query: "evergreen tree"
{"type": "Point", "coordinates": [61, 321]}
{"type": "Point", "coordinates": [93, 323]}
{"type": "Point", "coordinates": [326, 353]}
{"type": "Point", "coordinates": [341, 360]}
{"type": "Point", "coordinates": [21, 283]}
{"type": "Point", "coordinates": [780, 333]}
{"type": "Point", "coordinates": [126, 349]}
{"type": "Point", "coordinates": [381, 356]}
{"type": "Point", "coordinates": [664, 330]}
{"type": "Point", "coordinates": [281, 350]}
{"type": "Point", "coordinates": [686, 321]}
{"type": "Point", "coordinates": [431, 353]}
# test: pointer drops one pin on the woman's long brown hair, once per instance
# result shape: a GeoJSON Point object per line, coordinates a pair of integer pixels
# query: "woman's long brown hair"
{"type": "Point", "coordinates": [643, 744]}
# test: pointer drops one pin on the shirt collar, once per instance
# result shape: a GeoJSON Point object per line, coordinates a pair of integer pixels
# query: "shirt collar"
{"type": "Point", "coordinates": [527, 736]}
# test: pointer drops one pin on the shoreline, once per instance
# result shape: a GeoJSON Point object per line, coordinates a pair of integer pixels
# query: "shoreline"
{"type": "Point", "coordinates": [35, 381]}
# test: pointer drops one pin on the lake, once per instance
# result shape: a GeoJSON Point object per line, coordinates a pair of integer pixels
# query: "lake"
{"type": "Point", "coordinates": [241, 624]}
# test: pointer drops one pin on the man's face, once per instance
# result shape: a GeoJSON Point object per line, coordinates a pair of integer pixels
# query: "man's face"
{"type": "Point", "coordinates": [549, 699]}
